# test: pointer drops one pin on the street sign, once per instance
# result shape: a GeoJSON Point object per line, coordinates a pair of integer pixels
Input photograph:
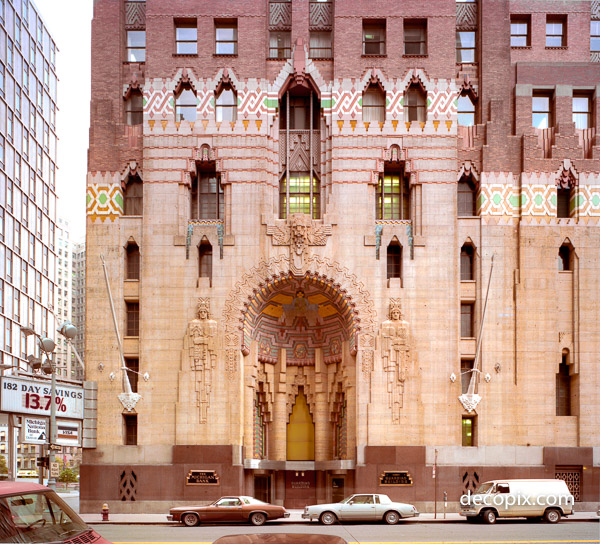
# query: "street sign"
{"type": "Point", "coordinates": [29, 396]}
{"type": "Point", "coordinates": [54, 471]}
{"type": "Point", "coordinates": [68, 433]}
{"type": "Point", "coordinates": [34, 430]}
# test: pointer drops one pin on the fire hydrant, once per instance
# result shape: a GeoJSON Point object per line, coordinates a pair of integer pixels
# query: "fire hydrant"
{"type": "Point", "coordinates": [105, 512]}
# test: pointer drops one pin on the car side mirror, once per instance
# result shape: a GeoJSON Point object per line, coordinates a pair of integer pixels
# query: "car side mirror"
{"type": "Point", "coordinates": [351, 502]}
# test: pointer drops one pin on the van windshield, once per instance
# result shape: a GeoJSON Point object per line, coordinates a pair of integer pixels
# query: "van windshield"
{"type": "Point", "coordinates": [484, 488]}
{"type": "Point", "coordinates": [38, 517]}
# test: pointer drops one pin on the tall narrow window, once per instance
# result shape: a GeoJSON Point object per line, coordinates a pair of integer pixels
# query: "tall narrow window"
{"type": "Point", "coordinates": [468, 431]}
{"type": "Point", "coordinates": [394, 259]}
{"type": "Point", "coordinates": [519, 31]}
{"type": "Point", "coordinates": [415, 103]}
{"type": "Point", "coordinates": [466, 197]}
{"type": "Point", "coordinates": [226, 38]}
{"type": "Point", "coordinates": [300, 195]}
{"type": "Point", "coordinates": [373, 37]}
{"type": "Point", "coordinates": [564, 258]}
{"type": "Point", "coordinates": [466, 263]}
{"type": "Point", "coordinates": [136, 46]}
{"type": "Point", "coordinates": [466, 371]}
{"type": "Point", "coordinates": [133, 367]}
{"type": "Point", "coordinates": [563, 202]}
{"type": "Point", "coordinates": [205, 259]}
{"type": "Point", "coordinates": [133, 318]}
{"type": "Point", "coordinates": [185, 104]}
{"type": "Point", "coordinates": [541, 113]}
{"type": "Point", "coordinates": [134, 196]}
{"type": "Point", "coordinates": [466, 320]}
{"type": "Point", "coordinates": [466, 110]}
{"type": "Point", "coordinates": [563, 388]}
{"type": "Point", "coordinates": [133, 262]}
{"type": "Point", "coordinates": [280, 44]}
{"type": "Point", "coordinates": [207, 196]}
{"type": "Point", "coordinates": [373, 104]}
{"type": "Point", "coordinates": [465, 47]}
{"type": "Point", "coordinates": [556, 31]}
{"type": "Point", "coordinates": [186, 38]}
{"type": "Point", "coordinates": [595, 36]}
{"type": "Point", "coordinates": [226, 105]}
{"type": "Point", "coordinates": [392, 197]}
{"type": "Point", "coordinates": [582, 111]}
{"type": "Point", "coordinates": [415, 37]}
{"type": "Point", "coordinates": [134, 108]}
{"type": "Point", "coordinates": [130, 425]}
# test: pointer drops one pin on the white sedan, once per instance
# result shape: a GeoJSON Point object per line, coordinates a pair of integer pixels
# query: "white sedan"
{"type": "Point", "coordinates": [361, 506]}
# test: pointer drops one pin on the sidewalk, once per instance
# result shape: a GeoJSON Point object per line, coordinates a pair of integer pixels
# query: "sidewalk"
{"type": "Point", "coordinates": [295, 517]}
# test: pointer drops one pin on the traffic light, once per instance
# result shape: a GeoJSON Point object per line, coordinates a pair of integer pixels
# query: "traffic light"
{"type": "Point", "coordinates": [43, 462]}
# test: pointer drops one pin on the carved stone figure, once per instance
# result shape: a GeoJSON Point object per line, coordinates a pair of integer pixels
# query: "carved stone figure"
{"type": "Point", "coordinates": [395, 354]}
{"type": "Point", "coordinates": [202, 337]}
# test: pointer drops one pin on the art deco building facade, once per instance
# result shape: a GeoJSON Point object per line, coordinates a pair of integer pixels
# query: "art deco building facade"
{"type": "Point", "coordinates": [303, 208]}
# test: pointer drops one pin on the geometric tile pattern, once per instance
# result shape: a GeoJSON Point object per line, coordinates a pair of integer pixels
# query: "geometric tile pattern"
{"type": "Point", "coordinates": [135, 14]}
{"type": "Point", "coordinates": [104, 201]}
{"type": "Point", "coordinates": [539, 200]}
{"type": "Point", "coordinates": [497, 199]}
{"type": "Point", "coordinates": [587, 201]}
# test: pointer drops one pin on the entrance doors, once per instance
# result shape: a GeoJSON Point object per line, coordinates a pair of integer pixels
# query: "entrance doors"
{"type": "Point", "coordinates": [262, 488]}
{"type": "Point", "coordinates": [337, 489]}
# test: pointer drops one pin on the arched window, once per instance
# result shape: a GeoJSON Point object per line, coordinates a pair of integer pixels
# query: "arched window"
{"type": "Point", "coordinates": [394, 259]}
{"type": "Point", "coordinates": [134, 108]}
{"type": "Point", "coordinates": [226, 105]}
{"type": "Point", "coordinates": [134, 196]}
{"type": "Point", "coordinates": [185, 104]}
{"type": "Point", "coordinates": [564, 258]}
{"type": "Point", "coordinates": [466, 110]}
{"type": "Point", "coordinates": [415, 104]}
{"type": "Point", "coordinates": [467, 254]}
{"type": "Point", "coordinates": [132, 268]}
{"type": "Point", "coordinates": [466, 197]}
{"type": "Point", "coordinates": [373, 104]}
{"type": "Point", "coordinates": [205, 259]}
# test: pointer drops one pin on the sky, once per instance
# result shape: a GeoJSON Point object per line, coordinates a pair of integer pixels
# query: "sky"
{"type": "Point", "coordinates": [69, 24]}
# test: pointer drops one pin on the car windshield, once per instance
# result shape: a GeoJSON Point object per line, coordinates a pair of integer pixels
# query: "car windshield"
{"type": "Point", "coordinates": [484, 488]}
{"type": "Point", "coordinates": [37, 517]}
{"type": "Point", "coordinates": [347, 499]}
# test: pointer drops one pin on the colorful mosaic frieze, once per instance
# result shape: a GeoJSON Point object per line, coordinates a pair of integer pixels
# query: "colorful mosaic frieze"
{"type": "Point", "coordinates": [496, 199]}
{"type": "Point", "coordinates": [104, 201]}
{"type": "Point", "coordinates": [587, 201]}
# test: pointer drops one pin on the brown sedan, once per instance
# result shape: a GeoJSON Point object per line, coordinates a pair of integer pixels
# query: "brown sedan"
{"type": "Point", "coordinates": [228, 509]}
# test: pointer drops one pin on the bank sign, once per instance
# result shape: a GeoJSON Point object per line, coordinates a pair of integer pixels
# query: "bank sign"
{"type": "Point", "coordinates": [28, 396]}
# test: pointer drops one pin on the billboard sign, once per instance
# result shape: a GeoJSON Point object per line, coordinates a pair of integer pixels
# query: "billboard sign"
{"type": "Point", "coordinates": [30, 396]}
{"type": "Point", "coordinates": [35, 430]}
{"type": "Point", "coordinates": [68, 433]}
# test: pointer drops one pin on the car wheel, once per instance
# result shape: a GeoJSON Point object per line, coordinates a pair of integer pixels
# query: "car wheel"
{"type": "Point", "coordinates": [258, 518]}
{"type": "Point", "coordinates": [391, 517]}
{"type": "Point", "coordinates": [190, 520]}
{"type": "Point", "coordinates": [489, 516]}
{"type": "Point", "coordinates": [328, 518]}
{"type": "Point", "coordinates": [552, 515]}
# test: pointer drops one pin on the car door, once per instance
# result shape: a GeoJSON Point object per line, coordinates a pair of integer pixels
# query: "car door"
{"type": "Point", "coordinates": [228, 509]}
{"type": "Point", "coordinates": [359, 507]}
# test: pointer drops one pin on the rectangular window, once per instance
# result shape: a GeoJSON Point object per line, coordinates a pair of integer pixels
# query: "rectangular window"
{"type": "Point", "coordinates": [134, 109]}
{"type": "Point", "coordinates": [130, 428]}
{"type": "Point", "coordinates": [186, 38]}
{"type": "Point", "coordinates": [133, 318]}
{"type": "Point", "coordinates": [541, 113]}
{"type": "Point", "coordinates": [468, 431]}
{"type": "Point", "coordinates": [563, 389]}
{"type": "Point", "coordinates": [300, 195]}
{"type": "Point", "coordinates": [133, 367]}
{"type": "Point", "coordinates": [280, 44]}
{"type": "Point", "coordinates": [207, 196]}
{"type": "Point", "coordinates": [555, 31]}
{"type": "Point", "coordinates": [136, 46]}
{"type": "Point", "coordinates": [373, 37]}
{"type": "Point", "coordinates": [466, 367]}
{"type": "Point", "coordinates": [595, 36]}
{"type": "Point", "coordinates": [519, 31]}
{"type": "Point", "coordinates": [394, 260]}
{"type": "Point", "coordinates": [320, 45]}
{"type": "Point", "coordinates": [582, 111]}
{"type": "Point", "coordinates": [226, 38]}
{"type": "Point", "coordinates": [466, 320]}
{"type": "Point", "coordinates": [392, 197]}
{"type": "Point", "coordinates": [415, 37]}
{"type": "Point", "coordinates": [465, 47]}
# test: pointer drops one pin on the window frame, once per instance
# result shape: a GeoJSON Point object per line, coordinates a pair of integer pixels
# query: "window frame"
{"type": "Point", "coordinates": [519, 20]}
{"type": "Point", "coordinates": [132, 48]}
{"type": "Point", "coordinates": [221, 107]}
{"type": "Point", "coordinates": [375, 111]}
{"type": "Point", "coordinates": [183, 110]}
{"type": "Point", "coordinates": [184, 43]}
{"type": "Point", "coordinates": [467, 319]}
{"type": "Point", "coordinates": [551, 21]}
{"type": "Point", "coordinates": [595, 36]}
{"type": "Point", "coordinates": [226, 25]}
{"type": "Point", "coordinates": [133, 261]}
{"type": "Point", "coordinates": [300, 199]}
{"type": "Point", "coordinates": [312, 48]}
{"type": "Point", "coordinates": [415, 90]}
{"type": "Point", "coordinates": [421, 26]}
{"type": "Point", "coordinates": [277, 51]}
{"type": "Point", "coordinates": [133, 197]}
{"type": "Point", "coordinates": [549, 112]}
{"type": "Point", "coordinates": [134, 115]}
{"type": "Point", "coordinates": [398, 200]}
{"type": "Point", "coordinates": [202, 191]}
{"type": "Point", "coordinates": [132, 319]}
{"type": "Point", "coordinates": [578, 114]}
{"type": "Point", "coordinates": [374, 26]}
{"type": "Point", "coordinates": [464, 205]}
{"type": "Point", "coordinates": [394, 260]}
{"type": "Point", "coordinates": [460, 47]}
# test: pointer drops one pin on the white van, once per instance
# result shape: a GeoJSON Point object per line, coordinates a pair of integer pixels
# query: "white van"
{"type": "Point", "coordinates": [547, 499]}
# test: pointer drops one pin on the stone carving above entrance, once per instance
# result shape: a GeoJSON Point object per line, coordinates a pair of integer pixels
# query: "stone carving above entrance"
{"type": "Point", "coordinates": [395, 354]}
{"type": "Point", "coordinates": [299, 232]}
{"type": "Point", "coordinates": [201, 349]}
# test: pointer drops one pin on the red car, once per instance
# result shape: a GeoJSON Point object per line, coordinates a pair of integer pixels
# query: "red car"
{"type": "Point", "coordinates": [34, 513]}
{"type": "Point", "coordinates": [228, 509]}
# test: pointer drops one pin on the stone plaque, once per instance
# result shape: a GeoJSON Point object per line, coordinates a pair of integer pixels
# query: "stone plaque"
{"type": "Point", "coordinates": [202, 477]}
{"type": "Point", "coordinates": [395, 478]}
